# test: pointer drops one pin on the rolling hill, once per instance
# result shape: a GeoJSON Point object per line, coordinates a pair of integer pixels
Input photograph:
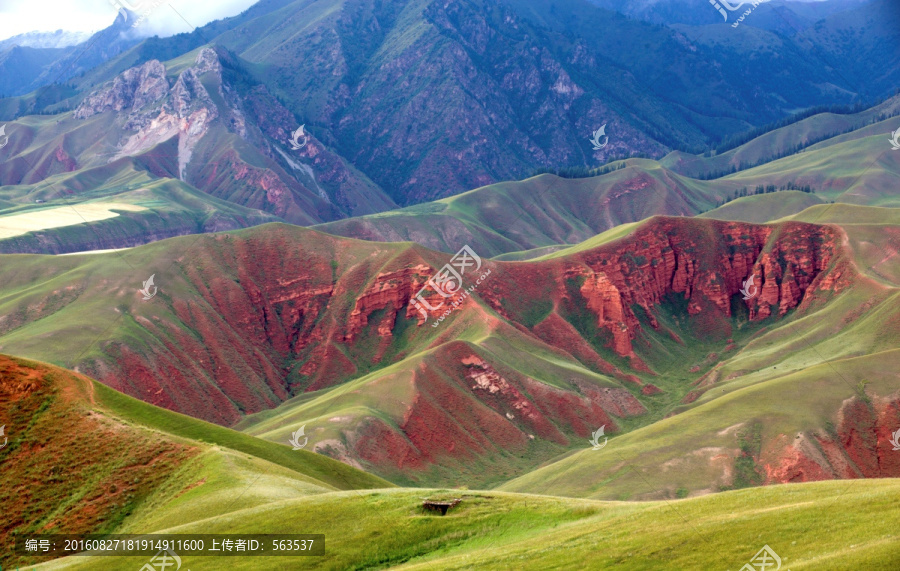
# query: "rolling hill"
{"type": "Point", "coordinates": [548, 211]}
{"type": "Point", "coordinates": [622, 331]}
{"type": "Point", "coordinates": [146, 470]}
{"type": "Point", "coordinates": [82, 458]}
{"type": "Point", "coordinates": [675, 348]}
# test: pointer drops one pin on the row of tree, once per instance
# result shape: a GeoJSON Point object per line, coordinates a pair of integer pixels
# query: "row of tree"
{"type": "Point", "coordinates": [760, 189]}
{"type": "Point", "coordinates": [739, 139]}
{"type": "Point", "coordinates": [788, 151]}
{"type": "Point", "coordinates": [580, 172]}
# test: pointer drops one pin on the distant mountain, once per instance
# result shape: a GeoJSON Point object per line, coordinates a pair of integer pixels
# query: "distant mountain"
{"type": "Point", "coordinates": [20, 66]}
{"type": "Point", "coordinates": [200, 123]}
{"type": "Point", "coordinates": [428, 99]}
{"type": "Point", "coordinates": [546, 211]}
{"type": "Point", "coordinates": [843, 157]}
{"type": "Point", "coordinates": [510, 87]}
{"type": "Point", "coordinates": [781, 15]}
{"type": "Point", "coordinates": [50, 65]}
{"type": "Point", "coordinates": [57, 39]}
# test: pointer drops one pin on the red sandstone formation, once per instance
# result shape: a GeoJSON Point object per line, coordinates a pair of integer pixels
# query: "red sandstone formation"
{"type": "Point", "coordinates": [284, 306]}
{"type": "Point", "coordinates": [392, 290]}
{"type": "Point", "coordinates": [860, 448]}
{"type": "Point", "coordinates": [668, 257]}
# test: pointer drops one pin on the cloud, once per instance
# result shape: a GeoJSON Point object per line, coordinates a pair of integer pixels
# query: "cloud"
{"type": "Point", "coordinates": [166, 17]}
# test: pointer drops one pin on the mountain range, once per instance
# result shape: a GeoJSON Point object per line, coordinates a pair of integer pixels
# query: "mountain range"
{"type": "Point", "coordinates": [532, 81]}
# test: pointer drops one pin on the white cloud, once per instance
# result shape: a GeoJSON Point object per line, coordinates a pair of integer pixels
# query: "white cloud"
{"type": "Point", "coordinates": [20, 16]}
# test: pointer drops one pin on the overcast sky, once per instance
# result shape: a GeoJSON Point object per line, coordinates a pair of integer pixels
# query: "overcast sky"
{"type": "Point", "coordinates": [20, 16]}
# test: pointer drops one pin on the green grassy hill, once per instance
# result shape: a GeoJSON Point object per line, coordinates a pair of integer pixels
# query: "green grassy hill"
{"type": "Point", "coordinates": [160, 208]}
{"type": "Point", "coordinates": [83, 458]}
{"type": "Point", "coordinates": [762, 208]}
{"type": "Point", "coordinates": [544, 212]}
{"type": "Point", "coordinates": [496, 530]}
{"type": "Point", "coordinates": [872, 232]}
{"type": "Point", "coordinates": [638, 328]}
{"type": "Point", "coordinates": [818, 131]}
{"type": "Point", "coordinates": [831, 364]}
{"type": "Point", "coordinates": [145, 470]}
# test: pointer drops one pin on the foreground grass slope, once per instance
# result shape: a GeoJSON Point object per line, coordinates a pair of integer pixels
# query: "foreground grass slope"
{"type": "Point", "coordinates": [82, 458]}
{"type": "Point", "coordinates": [496, 530]}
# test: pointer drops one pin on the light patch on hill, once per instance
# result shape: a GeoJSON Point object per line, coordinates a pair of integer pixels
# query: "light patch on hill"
{"type": "Point", "coordinates": [18, 224]}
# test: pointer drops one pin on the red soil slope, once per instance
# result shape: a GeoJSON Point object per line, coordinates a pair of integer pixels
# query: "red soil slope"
{"type": "Point", "coordinates": [249, 319]}
{"type": "Point", "coordinates": [60, 447]}
{"type": "Point", "coordinates": [859, 447]}
{"type": "Point", "coordinates": [276, 310]}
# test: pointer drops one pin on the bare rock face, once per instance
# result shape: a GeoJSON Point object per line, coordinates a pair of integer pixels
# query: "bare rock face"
{"type": "Point", "coordinates": [129, 92]}
{"type": "Point", "coordinates": [391, 290]}
{"type": "Point", "coordinates": [859, 447]}
{"type": "Point", "coordinates": [658, 261]}
{"type": "Point", "coordinates": [303, 186]}
{"type": "Point", "coordinates": [605, 301]}
{"type": "Point", "coordinates": [156, 111]}
{"type": "Point", "coordinates": [664, 259]}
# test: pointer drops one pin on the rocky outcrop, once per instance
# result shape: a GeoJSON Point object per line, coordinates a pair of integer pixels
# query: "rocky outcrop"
{"type": "Point", "coordinates": [391, 291]}
{"type": "Point", "coordinates": [130, 91]}
{"type": "Point", "coordinates": [668, 258]}
{"type": "Point", "coordinates": [662, 262]}
{"type": "Point", "coordinates": [308, 187]}
{"type": "Point", "coordinates": [860, 446]}
{"type": "Point", "coordinates": [605, 301]}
